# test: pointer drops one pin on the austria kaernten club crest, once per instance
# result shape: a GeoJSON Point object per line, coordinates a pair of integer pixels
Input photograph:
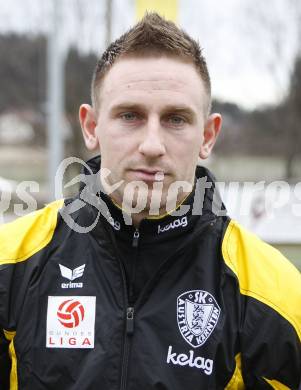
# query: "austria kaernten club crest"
{"type": "Point", "coordinates": [197, 315]}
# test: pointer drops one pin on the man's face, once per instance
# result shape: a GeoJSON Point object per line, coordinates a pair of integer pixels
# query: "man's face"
{"type": "Point", "coordinates": [150, 125]}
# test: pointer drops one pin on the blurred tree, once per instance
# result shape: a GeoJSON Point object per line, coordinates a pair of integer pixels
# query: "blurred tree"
{"type": "Point", "coordinates": [233, 139]}
{"type": "Point", "coordinates": [23, 84]}
{"type": "Point", "coordinates": [78, 77]}
{"type": "Point", "coordinates": [291, 111]}
{"type": "Point", "coordinates": [23, 79]}
{"type": "Point", "coordinates": [273, 26]}
{"type": "Point", "coordinates": [276, 129]}
{"type": "Point", "coordinates": [22, 72]}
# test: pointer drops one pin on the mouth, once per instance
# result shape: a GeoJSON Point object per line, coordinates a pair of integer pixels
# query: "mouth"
{"type": "Point", "coordinates": [148, 175]}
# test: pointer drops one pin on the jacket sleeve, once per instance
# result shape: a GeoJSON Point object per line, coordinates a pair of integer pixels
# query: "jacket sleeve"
{"type": "Point", "coordinates": [270, 324]}
{"type": "Point", "coordinates": [20, 242]}
{"type": "Point", "coordinates": [5, 363]}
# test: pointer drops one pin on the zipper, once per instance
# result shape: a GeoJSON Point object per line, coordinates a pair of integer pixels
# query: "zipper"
{"type": "Point", "coordinates": [129, 330]}
{"type": "Point", "coordinates": [129, 314]}
{"type": "Point", "coordinates": [135, 238]}
{"type": "Point", "coordinates": [129, 321]}
{"type": "Point", "coordinates": [135, 243]}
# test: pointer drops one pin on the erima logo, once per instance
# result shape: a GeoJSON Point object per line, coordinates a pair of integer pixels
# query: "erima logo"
{"type": "Point", "coordinates": [182, 359]}
{"type": "Point", "coordinates": [175, 224]}
{"type": "Point", "coordinates": [197, 314]}
{"type": "Point", "coordinates": [71, 275]}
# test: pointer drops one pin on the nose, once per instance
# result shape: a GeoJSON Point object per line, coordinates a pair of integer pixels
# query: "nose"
{"type": "Point", "coordinates": [152, 143]}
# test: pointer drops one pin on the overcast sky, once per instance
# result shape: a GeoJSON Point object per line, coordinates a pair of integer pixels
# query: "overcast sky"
{"type": "Point", "coordinates": [249, 44]}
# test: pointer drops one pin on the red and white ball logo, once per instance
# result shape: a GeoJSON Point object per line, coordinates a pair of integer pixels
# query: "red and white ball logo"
{"type": "Point", "coordinates": [70, 322]}
{"type": "Point", "coordinates": [70, 313]}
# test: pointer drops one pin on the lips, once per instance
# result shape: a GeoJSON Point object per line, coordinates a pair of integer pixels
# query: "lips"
{"type": "Point", "coordinates": [149, 175]}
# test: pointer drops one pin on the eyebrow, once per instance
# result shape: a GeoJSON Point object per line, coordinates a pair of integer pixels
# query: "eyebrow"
{"type": "Point", "coordinates": [172, 108]}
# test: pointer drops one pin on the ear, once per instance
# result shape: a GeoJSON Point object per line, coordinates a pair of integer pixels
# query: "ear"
{"type": "Point", "coordinates": [211, 130]}
{"type": "Point", "coordinates": [88, 124]}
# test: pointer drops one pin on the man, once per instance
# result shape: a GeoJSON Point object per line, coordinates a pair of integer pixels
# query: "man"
{"type": "Point", "coordinates": [161, 290]}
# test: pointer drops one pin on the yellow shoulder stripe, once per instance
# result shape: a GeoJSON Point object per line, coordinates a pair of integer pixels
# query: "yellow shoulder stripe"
{"type": "Point", "coordinates": [276, 385]}
{"type": "Point", "coordinates": [25, 236]}
{"type": "Point", "coordinates": [263, 273]}
{"type": "Point", "coordinates": [236, 382]}
{"type": "Point", "coordinates": [9, 335]}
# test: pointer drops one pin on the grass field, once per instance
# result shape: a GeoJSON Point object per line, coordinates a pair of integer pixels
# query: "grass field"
{"type": "Point", "coordinates": [246, 168]}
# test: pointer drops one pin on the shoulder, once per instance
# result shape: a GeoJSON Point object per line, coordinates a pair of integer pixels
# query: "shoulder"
{"type": "Point", "coordinates": [25, 236]}
{"type": "Point", "coordinates": [263, 273]}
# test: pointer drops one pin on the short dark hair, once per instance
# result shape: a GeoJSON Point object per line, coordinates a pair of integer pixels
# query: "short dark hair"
{"type": "Point", "coordinates": [152, 35]}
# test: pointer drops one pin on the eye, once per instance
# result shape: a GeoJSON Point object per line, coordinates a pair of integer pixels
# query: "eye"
{"type": "Point", "coordinates": [176, 120]}
{"type": "Point", "coordinates": [129, 116]}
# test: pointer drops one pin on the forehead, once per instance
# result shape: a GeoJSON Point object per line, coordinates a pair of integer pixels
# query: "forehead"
{"type": "Point", "coordinates": [151, 78]}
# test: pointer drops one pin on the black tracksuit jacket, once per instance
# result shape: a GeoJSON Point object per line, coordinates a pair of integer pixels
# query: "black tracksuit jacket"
{"type": "Point", "coordinates": [184, 302]}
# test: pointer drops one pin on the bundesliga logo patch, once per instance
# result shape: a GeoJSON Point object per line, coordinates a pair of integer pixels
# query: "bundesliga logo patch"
{"type": "Point", "coordinates": [70, 322]}
{"type": "Point", "coordinates": [197, 314]}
